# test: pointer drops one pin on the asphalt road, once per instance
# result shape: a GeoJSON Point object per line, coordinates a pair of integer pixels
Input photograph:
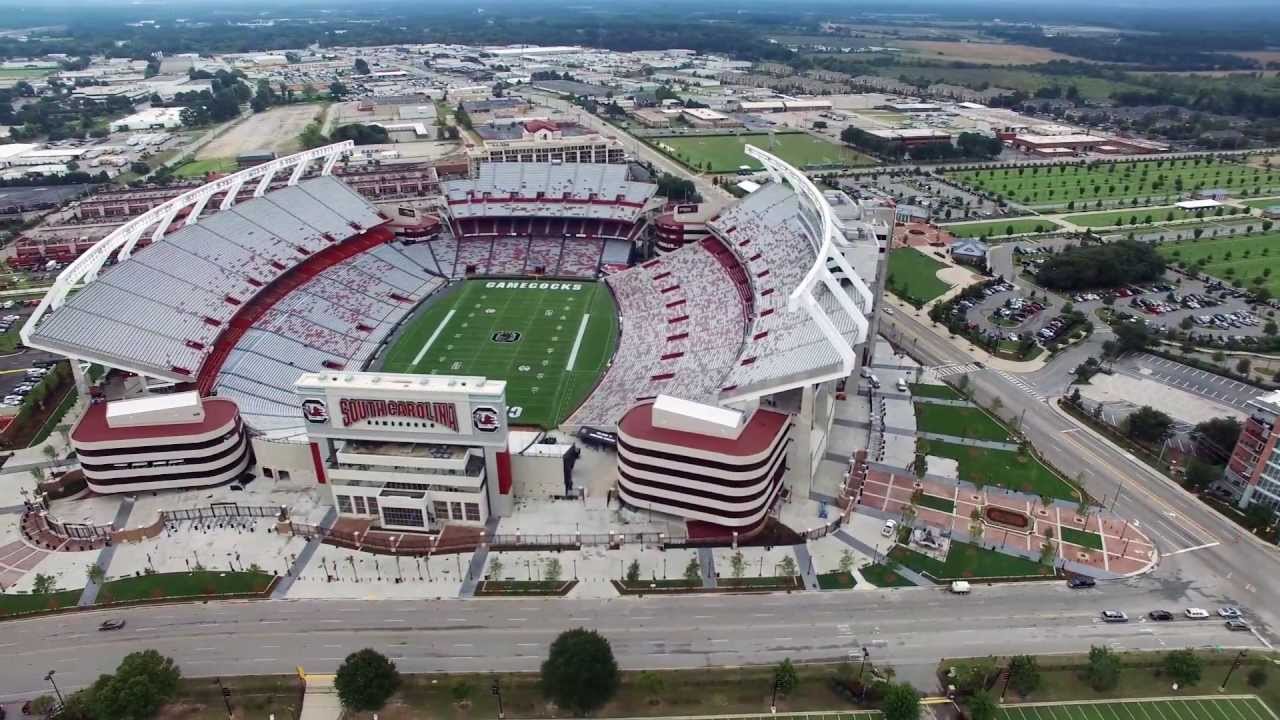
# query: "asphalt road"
{"type": "Point", "coordinates": [910, 629]}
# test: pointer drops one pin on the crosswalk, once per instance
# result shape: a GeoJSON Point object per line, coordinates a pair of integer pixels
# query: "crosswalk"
{"type": "Point", "coordinates": [1021, 384]}
{"type": "Point", "coordinates": [941, 371]}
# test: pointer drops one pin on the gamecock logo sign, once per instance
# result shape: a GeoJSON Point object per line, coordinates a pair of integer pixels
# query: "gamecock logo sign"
{"type": "Point", "coordinates": [485, 419]}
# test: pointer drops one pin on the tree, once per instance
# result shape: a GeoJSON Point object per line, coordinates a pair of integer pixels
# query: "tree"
{"type": "Point", "coordinates": [1258, 516]}
{"type": "Point", "coordinates": [1200, 474]}
{"type": "Point", "coordinates": [982, 706]}
{"type": "Point", "coordinates": [1243, 366]}
{"type": "Point", "coordinates": [900, 702]}
{"type": "Point", "coordinates": [337, 90]}
{"type": "Point", "coordinates": [366, 680]}
{"type": "Point", "coordinates": [787, 566]}
{"type": "Point", "coordinates": [312, 137]}
{"type": "Point", "coordinates": [1146, 424]}
{"type": "Point", "coordinates": [361, 67]}
{"type": "Point", "coordinates": [143, 682]}
{"type": "Point", "coordinates": [786, 677]}
{"type": "Point", "coordinates": [737, 565]}
{"type": "Point", "coordinates": [693, 571]}
{"type": "Point", "coordinates": [1216, 437]}
{"type": "Point", "coordinates": [96, 573]}
{"type": "Point", "coordinates": [42, 585]}
{"type": "Point", "coordinates": [1132, 337]}
{"type": "Point", "coordinates": [633, 571]}
{"type": "Point", "coordinates": [1024, 674]}
{"type": "Point", "coordinates": [846, 561]}
{"type": "Point", "coordinates": [495, 568]}
{"type": "Point", "coordinates": [461, 692]}
{"type": "Point", "coordinates": [1257, 677]}
{"type": "Point", "coordinates": [552, 570]}
{"type": "Point", "coordinates": [580, 673]}
{"type": "Point", "coordinates": [1184, 666]}
{"type": "Point", "coordinates": [1103, 669]}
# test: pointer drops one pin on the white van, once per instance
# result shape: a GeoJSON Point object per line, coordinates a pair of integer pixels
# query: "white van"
{"type": "Point", "coordinates": [960, 587]}
{"type": "Point", "coordinates": [902, 385]}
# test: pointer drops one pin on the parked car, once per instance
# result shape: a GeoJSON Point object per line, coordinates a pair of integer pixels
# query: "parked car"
{"type": "Point", "coordinates": [1237, 624]}
{"type": "Point", "coordinates": [108, 625]}
{"type": "Point", "coordinates": [1114, 616]}
{"type": "Point", "coordinates": [1077, 582]}
{"type": "Point", "coordinates": [1197, 613]}
{"type": "Point", "coordinates": [890, 527]}
{"type": "Point", "coordinates": [1229, 613]}
{"type": "Point", "coordinates": [1160, 615]}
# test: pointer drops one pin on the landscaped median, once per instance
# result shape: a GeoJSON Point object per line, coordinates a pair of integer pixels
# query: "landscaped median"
{"type": "Point", "coordinates": [773, 583]}
{"type": "Point", "coordinates": [970, 562]}
{"type": "Point", "coordinates": [156, 588]}
{"type": "Point", "coordinates": [552, 588]}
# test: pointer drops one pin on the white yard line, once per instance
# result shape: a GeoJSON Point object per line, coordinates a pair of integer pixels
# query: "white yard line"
{"type": "Point", "coordinates": [439, 329]}
{"type": "Point", "coordinates": [577, 342]}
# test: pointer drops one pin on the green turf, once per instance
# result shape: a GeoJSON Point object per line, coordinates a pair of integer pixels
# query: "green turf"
{"type": "Point", "coordinates": [1082, 538]}
{"type": "Point", "coordinates": [1251, 257]}
{"type": "Point", "coordinates": [1002, 468]}
{"type": "Point", "coordinates": [1199, 708]}
{"type": "Point", "coordinates": [965, 422]}
{"type": "Point", "coordinates": [724, 153]}
{"type": "Point", "coordinates": [541, 390]}
{"type": "Point", "coordinates": [882, 576]}
{"type": "Point", "coordinates": [200, 168]}
{"type": "Point", "coordinates": [912, 274]}
{"type": "Point", "coordinates": [946, 505]}
{"type": "Point", "coordinates": [1138, 217]}
{"type": "Point", "coordinates": [1262, 202]}
{"type": "Point", "coordinates": [996, 228]}
{"type": "Point", "coordinates": [1151, 182]}
{"type": "Point", "coordinates": [938, 392]}
{"type": "Point", "coordinates": [969, 562]}
{"type": "Point", "coordinates": [184, 584]}
{"type": "Point", "coordinates": [837, 581]}
{"type": "Point", "coordinates": [13, 603]}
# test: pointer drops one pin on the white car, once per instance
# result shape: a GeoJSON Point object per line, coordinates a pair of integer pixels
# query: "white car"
{"type": "Point", "coordinates": [1229, 613]}
{"type": "Point", "coordinates": [1197, 613]}
{"type": "Point", "coordinates": [890, 528]}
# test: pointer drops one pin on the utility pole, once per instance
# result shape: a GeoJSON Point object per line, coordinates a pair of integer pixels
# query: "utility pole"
{"type": "Point", "coordinates": [496, 689]}
{"type": "Point", "coordinates": [1234, 664]}
{"type": "Point", "coordinates": [226, 696]}
{"type": "Point", "coordinates": [49, 676]}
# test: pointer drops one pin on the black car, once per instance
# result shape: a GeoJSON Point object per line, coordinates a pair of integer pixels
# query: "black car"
{"type": "Point", "coordinates": [1079, 581]}
{"type": "Point", "coordinates": [1160, 615]}
{"type": "Point", "coordinates": [108, 625]}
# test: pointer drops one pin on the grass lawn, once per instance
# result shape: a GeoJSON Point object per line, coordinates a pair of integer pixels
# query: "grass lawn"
{"type": "Point", "coordinates": [528, 337]}
{"type": "Point", "coordinates": [13, 603]}
{"type": "Point", "coordinates": [996, 228]}
{"type": "Point", "coordinates": [837, 581]}
{"type": "Point", "coordinates": [914, 275]}
{"type": "Point", "coordinates": [1244, 258]}
{"type": "Point", "coordinates": [724, 153]}
{"type": "Point", "coordinates": [965, 422]}
{"type": "Point", "coordinates": [882, 576]}
{"type": "Point", "coordinates": [200, 168]}
{"type": "Point", "coordinates": [938, 392]}
{"type": "Point", "coordinates": [946, 505]}
{"type": "Point", "coordinates": [252, 696]}
{"type": "Point", "coordinates": [25, 73]}
{"type": "Point", "coordinates": [969, 562]}
{"type": "Point", "coordinates": [1262, 202]}
{"type": "Point", "coordinates": [1082, 538]}
{"type": "Point", "coordinates": [711, 691]}
{"type": "Point", "coordinates": [164, 585]}
{"type": "Point", "coordinates": [1150, 182]}
{"type": "Point", "coordinates": [1062, 680]}
{"type": "Point", "coordinates": [1002, 468]}
{"type": "Point", "coordinates": [1136, 217]}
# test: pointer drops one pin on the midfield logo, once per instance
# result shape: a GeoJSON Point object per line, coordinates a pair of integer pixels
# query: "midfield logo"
{"type": "Point", "coordinates": [506, 336]}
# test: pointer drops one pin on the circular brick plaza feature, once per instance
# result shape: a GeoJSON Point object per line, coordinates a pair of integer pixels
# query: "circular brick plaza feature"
{"type": "Point", "coordinates": [1006, 517]}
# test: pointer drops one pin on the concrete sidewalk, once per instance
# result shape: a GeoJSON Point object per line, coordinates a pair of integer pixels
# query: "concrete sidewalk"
{"type": "Point", "coordinates": [320, 701]}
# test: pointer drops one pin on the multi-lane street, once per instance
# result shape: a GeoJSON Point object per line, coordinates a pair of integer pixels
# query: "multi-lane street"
{"type": "Point", "coordinates": [910, 629]}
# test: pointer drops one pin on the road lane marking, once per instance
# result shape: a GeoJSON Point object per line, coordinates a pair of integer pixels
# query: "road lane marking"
{"type": "Point", "coordinates": [457, 619]}
{"type": "Point", "coordinates": [463, 645]}
{"type": "Point", "coordinates": [271, 622]}
{"type": "Point", "coordinates": [1190, 549]}
{"type": "Point", "coordinates": [394, 620]}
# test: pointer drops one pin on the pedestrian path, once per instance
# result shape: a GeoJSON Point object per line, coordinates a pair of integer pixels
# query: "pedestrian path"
{"type": "Point", "coordinates": [89, 595]}
{"type": "Point", "coordinates": [320, 700]}
{"type": "Point", "coordinates": [866, 549]}
{"type": "Point", "coordinates": [1021, 384]}
{"type": "Point", "coordinates": [942, 371]}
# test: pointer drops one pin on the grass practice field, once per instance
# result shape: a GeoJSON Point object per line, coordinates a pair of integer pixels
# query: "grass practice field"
{"type": "Point", "coordinates": [1262, 202]}
{"type": "Point", "coordinates": [1145, 216]}
{"type": "Point", "coordinates": [1243, 258]}
{"type": "Point", "coordinates": [550, 340]}
{"type": "Point", "coordinates": [724, 153]}
{"type": "Point", "coordinates": [996, 228]}
{"type": "Point", "coordinates": [200, 168]}
{"type": "Point", "coordinates": [912, 274]}
{"type": "Point", "coordinates": [1151, 182]}
{"type": "Point", "coordinates": [1203, 708]}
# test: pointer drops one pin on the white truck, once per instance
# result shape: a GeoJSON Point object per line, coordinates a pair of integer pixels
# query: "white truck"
{"type": "Point", "coordinates": [960, 587]}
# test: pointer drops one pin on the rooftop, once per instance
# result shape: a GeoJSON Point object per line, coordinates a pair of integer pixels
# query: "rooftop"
{"type": "Point", "coordinates": [756, 437]}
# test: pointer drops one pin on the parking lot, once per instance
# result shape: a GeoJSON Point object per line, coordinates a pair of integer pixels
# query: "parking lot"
{"type": "Point", "coordinates": [943, 201]}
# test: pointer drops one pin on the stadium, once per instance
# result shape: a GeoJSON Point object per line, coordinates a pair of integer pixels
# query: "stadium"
{"type": "Point", "coordinates": [527, 297]}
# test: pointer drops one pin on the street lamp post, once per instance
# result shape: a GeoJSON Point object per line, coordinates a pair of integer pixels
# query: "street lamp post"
{"type": "Point", "coordinates": [226, 696]}
{"type": "Point", "coordinates": [773, 701]}
{"type": "Point", "coordinates": [496, 689]}
{"type": "Point", "coordinates": [49, 676]}
{"type": "Point", "coordinates": [1234, 664]}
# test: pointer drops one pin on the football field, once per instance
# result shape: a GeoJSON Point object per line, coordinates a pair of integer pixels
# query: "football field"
{"type": "Point", "coordinates": [725, 153]}
{"type": "Point", "coordinates": [1193, 708]}
{"type": "Point", "coordinates": [550, 340]}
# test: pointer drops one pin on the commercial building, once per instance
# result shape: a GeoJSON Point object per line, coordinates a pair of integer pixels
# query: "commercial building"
{"type": "Point", "coordinates": [969, 252]}
{"type": "Point", "coordinates": [701, 462]}
{"type": "Point", "coordinates": [543, 141]}
{"type": "Point", "coordinates": [912, 137]}
{"type": "Point", "coordinates": [707, 118]}
{"type": "Point", "coordinates": [409, 451]}
{"type": "Point", "coordinates": [1077, 142]}
{"type": "Point", "coordinates": [161, 442]}
{"type": "Point", "coordinates": [1253, 471]}
{"type": "Point", "coordinates": [148, 119]}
